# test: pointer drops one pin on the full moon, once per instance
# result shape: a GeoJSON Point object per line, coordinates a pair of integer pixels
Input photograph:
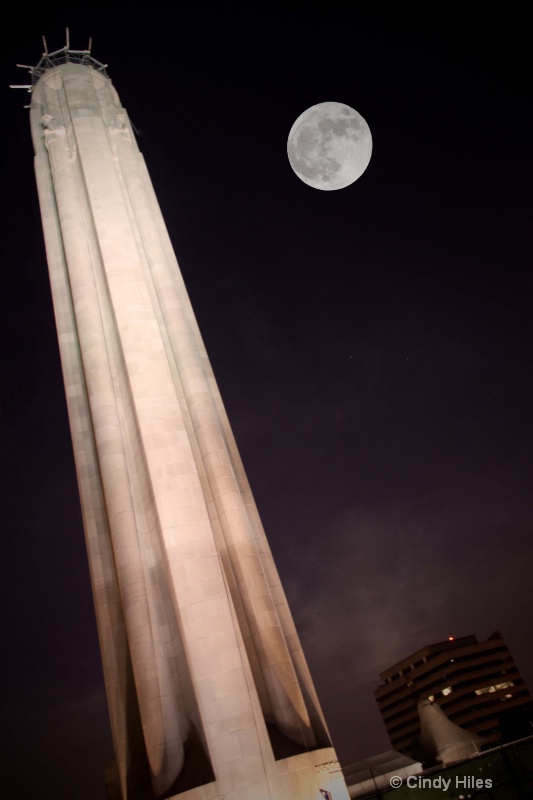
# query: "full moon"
{"type": "Point", "coordinates": [329, 146]}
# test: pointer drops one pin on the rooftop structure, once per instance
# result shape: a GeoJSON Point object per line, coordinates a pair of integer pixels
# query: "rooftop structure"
{"type": "Point", "coordinates": [65, 55]}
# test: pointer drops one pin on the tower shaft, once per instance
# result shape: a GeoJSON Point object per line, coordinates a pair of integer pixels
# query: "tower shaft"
{"type": "Point", "coordinates": [207, 685]}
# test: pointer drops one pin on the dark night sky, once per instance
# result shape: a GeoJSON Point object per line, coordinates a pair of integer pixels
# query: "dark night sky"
{"type": "Point", "coordinates": [373, 345]}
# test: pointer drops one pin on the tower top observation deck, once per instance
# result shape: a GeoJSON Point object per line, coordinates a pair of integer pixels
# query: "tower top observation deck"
{"type": "Point", "coordinates": [65, 55]}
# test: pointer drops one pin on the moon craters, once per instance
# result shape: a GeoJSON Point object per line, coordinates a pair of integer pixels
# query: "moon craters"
{"type": "Point", "coordinates": [329, 146]}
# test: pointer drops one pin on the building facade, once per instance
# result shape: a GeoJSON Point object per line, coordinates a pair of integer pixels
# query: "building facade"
{"type": "Point", "coordinates": [208, 689]}
{"type": "Point", "coordinates": [477, 685]}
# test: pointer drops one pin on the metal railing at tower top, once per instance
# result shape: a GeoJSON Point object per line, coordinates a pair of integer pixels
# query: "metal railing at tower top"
{"type": "Point", "coordinates": [65, 55]}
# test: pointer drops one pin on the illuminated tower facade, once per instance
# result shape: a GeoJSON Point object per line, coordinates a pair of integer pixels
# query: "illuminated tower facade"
{"type": "Point", "coordinates": [208, 689]}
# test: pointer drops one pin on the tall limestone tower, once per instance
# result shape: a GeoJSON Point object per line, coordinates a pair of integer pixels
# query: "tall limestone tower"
{"type": "Point", "coordinates": [208, 689]}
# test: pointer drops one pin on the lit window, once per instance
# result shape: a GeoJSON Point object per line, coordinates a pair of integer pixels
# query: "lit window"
{"type": "Point", "coordinates": [447, 690]}
{"type": "Point", "coordinates": [495, 688]}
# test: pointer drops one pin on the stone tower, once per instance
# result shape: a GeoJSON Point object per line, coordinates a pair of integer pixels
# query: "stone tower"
{"type": "Point", "coordinates": [208, 689]}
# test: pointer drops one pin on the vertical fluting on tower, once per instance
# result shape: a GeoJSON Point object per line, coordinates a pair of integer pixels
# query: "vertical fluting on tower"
{"type": "Point", "coordinates": [189, 604]}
